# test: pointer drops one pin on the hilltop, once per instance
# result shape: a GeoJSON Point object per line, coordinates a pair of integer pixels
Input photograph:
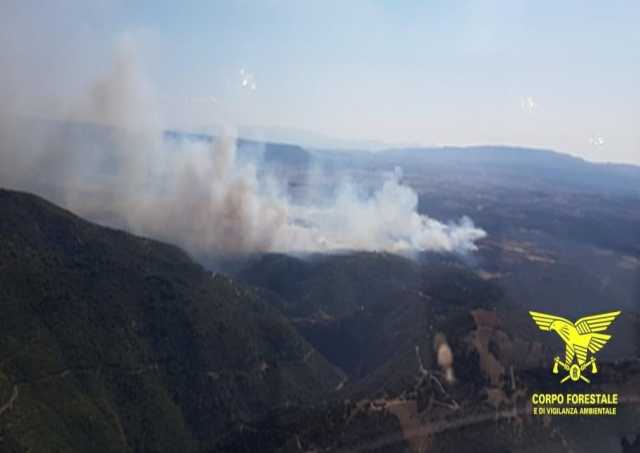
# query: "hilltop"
{"type": "Point", "coordinates": [113, 342]}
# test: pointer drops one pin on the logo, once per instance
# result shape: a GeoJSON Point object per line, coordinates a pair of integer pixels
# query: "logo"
{"type": "Point", "coordinates": [582, 340]}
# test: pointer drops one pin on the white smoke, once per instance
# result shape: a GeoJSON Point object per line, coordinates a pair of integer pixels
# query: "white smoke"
{"type": "Point", "coordinates": [387, 220]}
{"type": "Point", "coordinates": [198, 194]}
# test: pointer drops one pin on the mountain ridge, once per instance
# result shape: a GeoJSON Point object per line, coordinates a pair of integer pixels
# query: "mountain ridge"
{"type": "Point", "coordinates": [119, 343]}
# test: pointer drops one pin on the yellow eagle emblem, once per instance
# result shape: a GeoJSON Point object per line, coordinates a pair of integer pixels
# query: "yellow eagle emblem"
{"type": "Point", "coordinates": [580, 338]}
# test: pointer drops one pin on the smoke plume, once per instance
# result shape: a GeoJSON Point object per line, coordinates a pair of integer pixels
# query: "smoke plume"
{"type": "Point", "coordinates": [118, 168]}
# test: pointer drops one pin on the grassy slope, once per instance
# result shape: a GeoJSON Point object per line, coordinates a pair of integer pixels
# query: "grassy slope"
{"type": "Point", "coordinates": [119, 343]}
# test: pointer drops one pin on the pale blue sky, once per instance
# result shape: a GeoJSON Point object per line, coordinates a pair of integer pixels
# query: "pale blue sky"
{"type": "Point", "coordinates": [557, 74]}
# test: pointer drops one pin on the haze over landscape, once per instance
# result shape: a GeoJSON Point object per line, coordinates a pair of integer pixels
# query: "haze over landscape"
{"type": "Point", "coordinates": [317, 226]}
{"type": "Point", "coordinates": [539, 74]}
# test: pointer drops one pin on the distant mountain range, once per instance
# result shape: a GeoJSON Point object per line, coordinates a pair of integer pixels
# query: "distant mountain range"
{"type": "Point", "coordinates": [311, 140]}
{"type": "Point", "coordinates": [491, 164]}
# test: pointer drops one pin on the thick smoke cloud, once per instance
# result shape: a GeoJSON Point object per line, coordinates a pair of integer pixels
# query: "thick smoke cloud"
{"type": "Point", "coordinates": [119, 168]}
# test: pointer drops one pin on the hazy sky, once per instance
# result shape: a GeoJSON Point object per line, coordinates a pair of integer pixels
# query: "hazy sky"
{"type": "Point", "coordinates": [557, 74]}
